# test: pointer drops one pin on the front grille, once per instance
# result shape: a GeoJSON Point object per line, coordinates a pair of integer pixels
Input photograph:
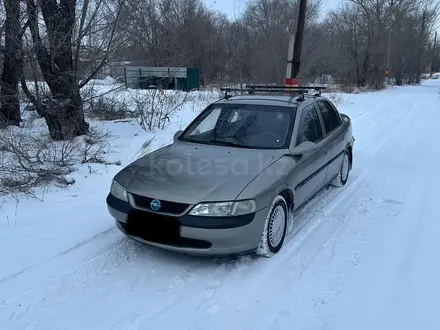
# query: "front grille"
{"type": "Point", "coordinates": [166, 206]}
{"type": "Point", "coordinates": [160, 229]}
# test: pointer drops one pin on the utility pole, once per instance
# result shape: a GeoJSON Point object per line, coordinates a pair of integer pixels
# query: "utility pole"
{"type": "Point", "coordinates": [289, 61]}
{"type": "Point", "coordinates": [296, 62]}
{"type": "Point", "coordinates": [421, 48]}
{"type": "Point", "coordinates": [434, 55]}
{"type": "Point", "coordinates": [387, 71]}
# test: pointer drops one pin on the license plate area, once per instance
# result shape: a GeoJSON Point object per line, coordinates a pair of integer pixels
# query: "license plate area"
{"type": "Point", "coordinates": [154, 227]}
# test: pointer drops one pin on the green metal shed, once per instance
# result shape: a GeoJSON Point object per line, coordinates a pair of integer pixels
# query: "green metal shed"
{"type": "Point", "coordinates": [162, 77]}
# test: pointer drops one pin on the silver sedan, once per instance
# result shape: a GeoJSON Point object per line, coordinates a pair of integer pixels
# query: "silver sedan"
{"type": "Point", "coordinates": [230, 181]}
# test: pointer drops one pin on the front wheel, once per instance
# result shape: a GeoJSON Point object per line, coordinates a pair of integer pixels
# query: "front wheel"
{"type": "Point", "coordinates": [274, 231]}
{"type": "Point", "coordinates": [342, 177]}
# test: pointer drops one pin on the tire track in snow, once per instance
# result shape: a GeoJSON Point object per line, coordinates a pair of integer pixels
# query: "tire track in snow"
{"type": "Point", "coordinates": [406, 121]}
{"type": "Point", "coordinates": [110, 257]}
{"type": "Point", "coordinates": [376, 224]}
{"type": "Point", "coordinates": [85, 275]}
{"type": "Point", "coordinates": [62, 253]}
{"type": "Point", "coordinates": [369, 110]}
{"type": "Point", "coordinates": [202, 288]}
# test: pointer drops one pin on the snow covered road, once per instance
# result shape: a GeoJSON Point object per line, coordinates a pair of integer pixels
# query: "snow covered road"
{"type": "Point", "coordinates": [363, 257]}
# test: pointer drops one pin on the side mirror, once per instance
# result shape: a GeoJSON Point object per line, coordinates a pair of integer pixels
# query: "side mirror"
{"type": "Point", "coordinates": [304, 148]}
{"type": "Point", "coordinates": [177, 134]}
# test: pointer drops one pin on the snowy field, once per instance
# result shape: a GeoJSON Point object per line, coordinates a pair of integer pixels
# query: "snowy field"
{"type": "Point", "coordinates": [363, 257]}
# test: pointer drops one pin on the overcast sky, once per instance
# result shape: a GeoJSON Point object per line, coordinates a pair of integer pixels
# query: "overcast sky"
{"type": "Point", "coordinates": [234, 8]}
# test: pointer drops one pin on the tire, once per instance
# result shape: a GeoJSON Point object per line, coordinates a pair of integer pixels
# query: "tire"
{"type": "Point", "coordinates": [343, 174]}
{"type": "Point", "coordinates": [272, 238]}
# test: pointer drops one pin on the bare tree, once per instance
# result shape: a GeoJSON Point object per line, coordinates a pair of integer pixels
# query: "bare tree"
{"type": "Point", "coordinates": [59, 57]}
{"type": "Point", "coordinates": [354, 43]}
{"type": "Point", "coordinates": [65, 118]}
{"type": "Point", "coordinates": [12, 66]}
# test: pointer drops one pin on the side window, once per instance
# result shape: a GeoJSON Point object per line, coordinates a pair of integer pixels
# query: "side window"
{"type": "Point", "coordinates": [331, 119]}
{"type": "Point", "coordinates": [310, 126]}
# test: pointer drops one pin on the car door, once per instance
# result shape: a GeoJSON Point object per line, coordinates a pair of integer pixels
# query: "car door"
{"type": "Point", "coordinates": [334, 137]}
{"type": "Point", "coordinates": [310, 170]}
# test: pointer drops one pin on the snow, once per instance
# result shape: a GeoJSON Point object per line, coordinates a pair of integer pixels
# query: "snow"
{"type": "Point", "coordinates": [365, 256]}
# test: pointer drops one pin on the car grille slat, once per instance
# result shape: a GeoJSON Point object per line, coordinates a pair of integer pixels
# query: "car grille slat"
{"type": "Point", "coordinates": [166, 206]}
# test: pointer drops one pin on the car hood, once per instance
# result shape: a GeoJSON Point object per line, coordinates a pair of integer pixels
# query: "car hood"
{"type": "Point", "coordinates": [191, 173]}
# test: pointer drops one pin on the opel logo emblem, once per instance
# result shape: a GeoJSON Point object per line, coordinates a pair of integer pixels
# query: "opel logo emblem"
{"type": "Point", "coordinates": [155, 204]}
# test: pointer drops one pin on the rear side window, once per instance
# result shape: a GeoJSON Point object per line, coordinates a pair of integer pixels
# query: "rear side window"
{"type": "Point", "coordinates": [331, 119]}
{"type": "Point", "coordinates": [310, 126]}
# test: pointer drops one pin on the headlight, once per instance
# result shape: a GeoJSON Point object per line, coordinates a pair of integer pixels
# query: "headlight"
{"type": "Point", "coordinates": [118, 191]}
{"type": "Point", "coordinates": [224, 209]}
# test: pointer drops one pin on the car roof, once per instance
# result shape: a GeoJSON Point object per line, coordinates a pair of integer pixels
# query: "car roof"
{"type": "Point", "coordinates": [278, 100]}
{"type": "Point", "coordinates": [265, 99]}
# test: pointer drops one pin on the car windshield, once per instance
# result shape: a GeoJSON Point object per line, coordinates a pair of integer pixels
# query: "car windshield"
{"type": "Point", "coordinates": [243, 126]}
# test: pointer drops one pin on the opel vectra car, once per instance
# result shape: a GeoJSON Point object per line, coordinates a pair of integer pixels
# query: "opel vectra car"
{"type": "Point", "coordinates": [230, 180]}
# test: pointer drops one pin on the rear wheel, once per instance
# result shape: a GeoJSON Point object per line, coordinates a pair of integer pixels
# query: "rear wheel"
{"type": "Point", "coordinates": [342, 177]}
{"type": "Point", "coordinates": [274, 231]}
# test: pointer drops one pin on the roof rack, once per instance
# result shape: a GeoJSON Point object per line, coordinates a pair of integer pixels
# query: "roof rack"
{"type": "Point", "coordinates": [318, 89]}
{"type": "Point", "coordinates": [251, 89]}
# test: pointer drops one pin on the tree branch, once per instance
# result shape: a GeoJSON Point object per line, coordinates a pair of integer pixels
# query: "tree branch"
{"type": "Point", "coordinates": [107, 51]}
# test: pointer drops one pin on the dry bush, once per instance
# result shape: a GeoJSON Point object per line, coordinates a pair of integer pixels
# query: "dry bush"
{"type": "Point", "coordinates": [29, 160]}
{"type": "Point", "coordinates": [209, 96]}
{"type": "Point", "coordinates": [105, 108]}
{"type": "Point", "coordinates": [341, 88]}
{"type": "Point", "coordinates": [105, 105]}
{"type": "Point", "coordinates": [154, 107]}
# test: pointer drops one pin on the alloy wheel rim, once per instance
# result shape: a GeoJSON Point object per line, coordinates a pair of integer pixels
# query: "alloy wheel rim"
{"type": "Point", "coordinates": [276, 226]}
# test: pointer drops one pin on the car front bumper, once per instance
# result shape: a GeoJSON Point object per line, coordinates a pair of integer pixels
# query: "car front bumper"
{"type": "Point", "coordinates": [197, 235]}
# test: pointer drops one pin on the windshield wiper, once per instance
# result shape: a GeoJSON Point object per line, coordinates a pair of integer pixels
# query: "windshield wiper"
{"type": "Point", "coordinates": [230, 144]}
{"type": "Point", "coordinates": [219, 142]}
